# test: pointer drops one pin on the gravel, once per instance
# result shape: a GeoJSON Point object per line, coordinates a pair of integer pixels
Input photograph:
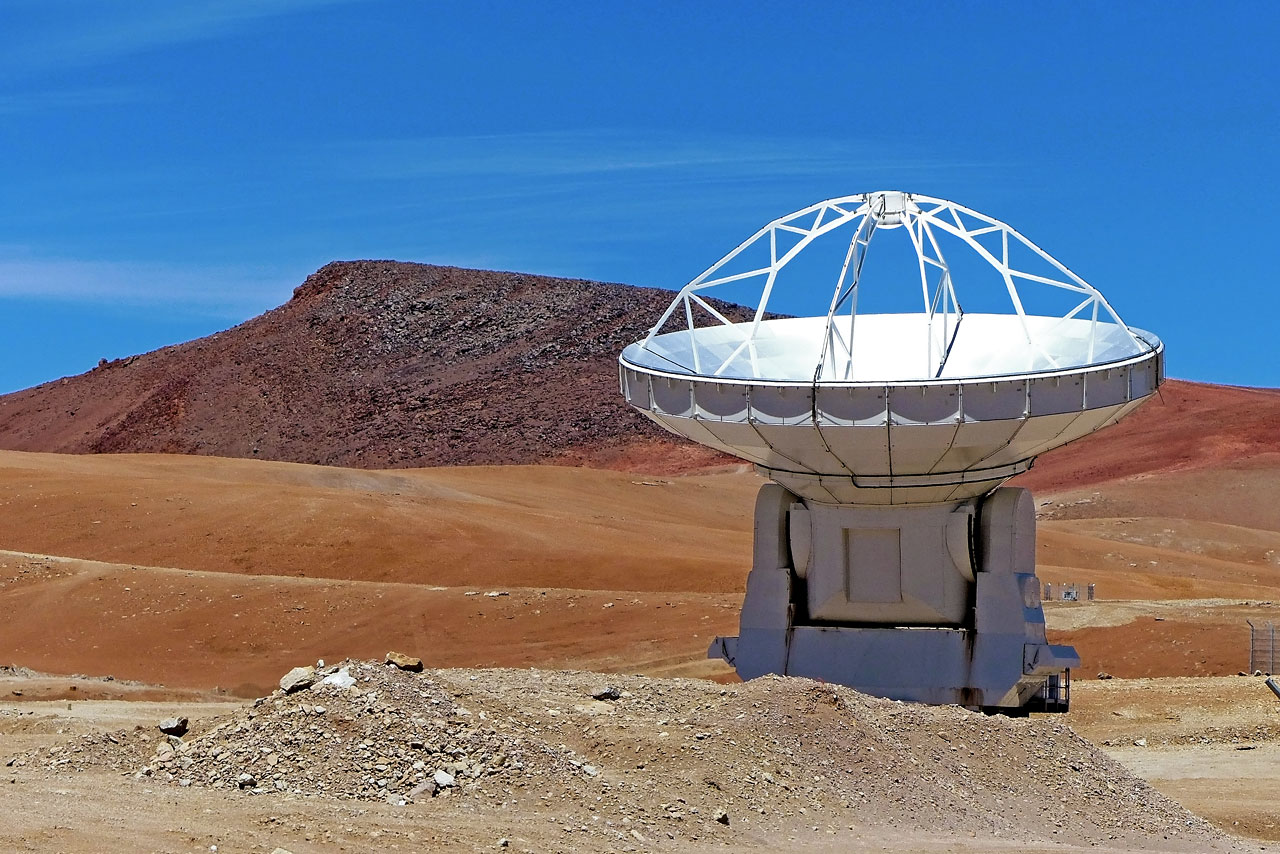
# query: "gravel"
{"type": "Point", "coordinates": [664, 759]}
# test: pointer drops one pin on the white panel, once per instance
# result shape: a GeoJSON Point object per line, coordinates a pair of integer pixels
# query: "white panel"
{"type": "Point", "coordinates": [975, 441]}
{"type": "Point", "coordinates": [672, 397]}
{"type": "Point", "coordinates": [801, 444]}
{"type": "Point", "coordinates": [720, 401]}
{"type": "Point", "coordinates": [748, 443]}
{"type": "Point", "coordinates": [863, 450]}
{"type": "Point", "coordinates": [782, 404]}
{"type": "Point", "coordinates": [1044, 427]}
{"type": "Point", "coordinates": [1107, 387]}
{"type": "Point", "coordinates": [873, 564]}
{"type": "Point", "coordinates": [924, 404]}
{"type": "Point", "coordinates": [1142, 379]}
{"type": "Point", "coordinates": [694, 430]}
{"type": "Point", "coordinates": [862, 405]}
{"type": "Point", "coordinates": [1054, 395]}
{"type": "Point", "coordinates": [994, 401]}
{"type": "Point", "coordinates": [1033, 435]}
{"type": "Point", "coordinates": [915, 449]}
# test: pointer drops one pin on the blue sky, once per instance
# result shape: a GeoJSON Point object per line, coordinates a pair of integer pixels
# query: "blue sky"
{"type": "Point", "coordinates": [170, 168]}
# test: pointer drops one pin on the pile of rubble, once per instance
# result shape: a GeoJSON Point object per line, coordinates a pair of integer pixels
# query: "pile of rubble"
{"type": "Point", "coordinates": [627, 759]}
{"type": "Point", "coordinates": [362, 730]}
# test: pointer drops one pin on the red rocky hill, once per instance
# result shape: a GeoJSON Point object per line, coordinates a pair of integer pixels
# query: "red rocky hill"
{"type": "Point", "coordinates": [379, 364]}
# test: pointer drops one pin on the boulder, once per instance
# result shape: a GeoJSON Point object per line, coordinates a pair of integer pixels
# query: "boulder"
{"type": "Point", "coordinates": [297, 679]}
{"type": "Point", "coordinates": [405, 662]}
{"type": "Point", "coordinates": [174, 726]}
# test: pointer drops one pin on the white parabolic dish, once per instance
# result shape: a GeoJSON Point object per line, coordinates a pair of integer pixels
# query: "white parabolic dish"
{"type": "Point", "coordinates": [890, 408]}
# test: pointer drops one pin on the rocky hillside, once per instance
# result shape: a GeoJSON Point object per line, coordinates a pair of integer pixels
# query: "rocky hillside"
{"type": "Point", "coordinates": [378, 364]}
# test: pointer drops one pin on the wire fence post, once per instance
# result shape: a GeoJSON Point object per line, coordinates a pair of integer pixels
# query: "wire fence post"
{"type": "Point", "coordinates": [1262, 647]}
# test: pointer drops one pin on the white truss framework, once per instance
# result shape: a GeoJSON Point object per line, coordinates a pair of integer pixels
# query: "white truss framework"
{"type": "Point", "coordinates": [922, 217]}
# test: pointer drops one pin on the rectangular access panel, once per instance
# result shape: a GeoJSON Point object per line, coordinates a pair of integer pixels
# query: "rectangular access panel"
{"type": "Point", "coordinates": [873, 564]}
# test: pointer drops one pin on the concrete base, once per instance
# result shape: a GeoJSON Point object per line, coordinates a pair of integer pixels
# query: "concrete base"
{"type": "Point", "coordinates": [994, 654]}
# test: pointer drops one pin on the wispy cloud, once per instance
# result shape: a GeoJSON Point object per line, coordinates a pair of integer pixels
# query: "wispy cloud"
{"type": "Point", "coordinates": [598, 152]}
{"type": "Point", "coordinates": [231, 292]}
{"type": "Point", "coordinates": [583, 200]}
{"type": "Point", "coordinates": [19, 103]}
{"type": "Point", "coordinates": [78, 33]}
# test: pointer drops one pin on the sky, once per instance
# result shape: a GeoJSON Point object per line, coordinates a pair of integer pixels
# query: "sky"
{"type": "Point", "coordinates": [170, 168]}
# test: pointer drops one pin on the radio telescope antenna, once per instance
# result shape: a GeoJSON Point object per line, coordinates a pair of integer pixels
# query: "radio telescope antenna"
{"type": "Point", "coordinates": [887, 554]}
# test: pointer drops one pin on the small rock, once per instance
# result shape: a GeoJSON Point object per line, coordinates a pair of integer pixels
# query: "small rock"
{"type": "Point", "coordinates": [246, 781]}
{"type": "Point", "coordinates": [722, 816]}
{"type": "Point", "coordinates": [608, 692]}
{"type": "Point", "coordinates": [405, 662]}
{"type": "Point", "coordinates": [174, 726]}
{"type": "Point", "coordinates": [1105, 675]}
{"type": "Point", "coordinates": [297, 679]}
{"type": "Point", "coordinates": [1140, 742]}
{"type": "Point", "coordinates": [340, 679]}
{"type": "Point", "coordinates": [504, 842]}
{"type": "Point", "coordinates": [443, 779]}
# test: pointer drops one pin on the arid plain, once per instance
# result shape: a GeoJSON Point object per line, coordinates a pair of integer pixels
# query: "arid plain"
{"type": "Point", "coordinates": [196, 582]}
{"type": "Point", "coordinates": [204, 579]}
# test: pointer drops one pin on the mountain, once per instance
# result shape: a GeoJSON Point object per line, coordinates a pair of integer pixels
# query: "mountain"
{"type": "Point", "coordinates": [380, 364]}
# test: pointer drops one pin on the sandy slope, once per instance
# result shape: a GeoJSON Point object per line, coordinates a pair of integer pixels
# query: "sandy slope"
{"type": "Point", "coordinates": [217, 575]}
{"type": "Point", "coordinates": [205, 572]}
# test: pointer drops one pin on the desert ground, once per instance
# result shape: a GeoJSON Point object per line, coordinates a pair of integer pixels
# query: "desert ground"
{"type": "Point", "coordinates": [137, 587]}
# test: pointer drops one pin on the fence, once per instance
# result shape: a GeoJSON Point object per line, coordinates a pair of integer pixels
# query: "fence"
{"type": "Point", "coordinates": [1262, 647]}
{"type": "Point", "coordinates": [1066, 592]}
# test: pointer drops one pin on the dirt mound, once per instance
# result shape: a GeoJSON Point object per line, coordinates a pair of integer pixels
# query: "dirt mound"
{"type": "Point", "coordinates": [364, 731]}
{"type": "Point", "coordinates": [656, 758]}
{"type": "Point", "coordinates": [379, 364]}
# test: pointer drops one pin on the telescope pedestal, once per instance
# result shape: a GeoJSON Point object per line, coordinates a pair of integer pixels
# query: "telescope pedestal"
{"type": "Point", "coordinates": [933, 603]}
